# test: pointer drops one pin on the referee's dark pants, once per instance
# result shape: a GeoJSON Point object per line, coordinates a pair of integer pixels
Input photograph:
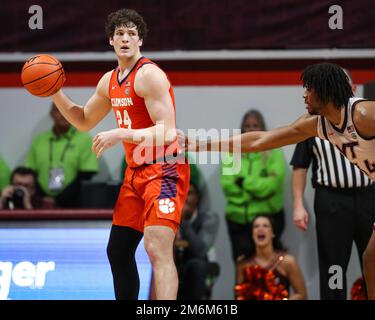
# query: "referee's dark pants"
{"type": "Point", "coordinates": [342, 216]}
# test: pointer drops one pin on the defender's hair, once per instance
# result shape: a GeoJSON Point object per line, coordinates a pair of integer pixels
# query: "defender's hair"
{"type": "Point", "coordinates": [127, 18]}
{"type": "Point", "coordinates": [330, 83]}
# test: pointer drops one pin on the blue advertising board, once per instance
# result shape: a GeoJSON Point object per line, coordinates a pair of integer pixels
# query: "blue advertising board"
{"type": "Point", "coordinates": [62, 262]}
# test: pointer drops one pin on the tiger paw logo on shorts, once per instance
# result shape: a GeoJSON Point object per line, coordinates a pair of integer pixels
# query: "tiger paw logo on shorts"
{"type": "Point", "coordinates": [166, 206]}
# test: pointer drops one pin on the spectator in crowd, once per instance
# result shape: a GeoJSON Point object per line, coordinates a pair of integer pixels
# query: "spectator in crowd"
{"type": "Point", "coordinates": [344, 199]}
{"type": "Point", "coordinates": [4, 174]}
{"type": "Point", "coordinates": [267, 271]}
{"type": "Point", "coordinates": [62, 158]}
{"type": "Point", "coordinates": [194, 239]}
{"type": "Point", "coordinates": [21, 193]}
{"type": "Point", "coordinates": [256, 188]}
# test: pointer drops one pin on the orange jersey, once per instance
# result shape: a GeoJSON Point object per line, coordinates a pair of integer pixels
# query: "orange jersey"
{"type": "Point", "coordinates": [131, 112]}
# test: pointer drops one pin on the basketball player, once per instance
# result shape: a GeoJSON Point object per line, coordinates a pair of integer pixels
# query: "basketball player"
{"type": "Point", "coordinates": [156, 182]}
{"type": "Point", "coordinates": [334, 115]}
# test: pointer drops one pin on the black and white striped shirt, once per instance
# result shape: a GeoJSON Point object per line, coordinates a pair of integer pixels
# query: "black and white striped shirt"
{"type": "Point", "coordinates": [329, 167]}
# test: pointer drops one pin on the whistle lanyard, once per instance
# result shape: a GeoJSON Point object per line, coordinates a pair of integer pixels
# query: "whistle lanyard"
{"type": "Point", "coordinates": [51, 152]}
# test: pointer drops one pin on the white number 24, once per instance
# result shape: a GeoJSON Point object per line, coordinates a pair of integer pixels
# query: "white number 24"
{"type": "Point", "coordinates": [123, 120]}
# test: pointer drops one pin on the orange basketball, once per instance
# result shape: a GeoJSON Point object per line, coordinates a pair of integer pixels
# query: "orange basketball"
{"type": "Point", "coordinates": [42, 75]}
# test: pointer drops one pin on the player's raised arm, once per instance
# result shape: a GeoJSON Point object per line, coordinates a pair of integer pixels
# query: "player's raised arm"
{"type": "Point", "coordinates": [303, 128]}
{"type": "Point", "coordinates": [84, 118]}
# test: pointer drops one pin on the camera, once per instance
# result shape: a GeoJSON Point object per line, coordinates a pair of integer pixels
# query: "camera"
{"type": "Point", "coordinates": [16, 201]}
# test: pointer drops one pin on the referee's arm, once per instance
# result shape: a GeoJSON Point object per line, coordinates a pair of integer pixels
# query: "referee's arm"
{"type": "Point", "coordinates": [300, 161]}
{"type": "Point", "coordinates": [300, 215]}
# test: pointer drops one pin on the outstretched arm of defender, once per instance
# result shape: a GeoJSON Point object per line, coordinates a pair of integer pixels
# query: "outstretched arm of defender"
{"type": "Point", "coordinates": [84, 118]}
{"type": "Point", "coordinates": [303, 128]}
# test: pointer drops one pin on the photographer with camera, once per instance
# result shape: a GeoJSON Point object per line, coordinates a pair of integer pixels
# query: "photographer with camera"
{"type": "Point", "coordinates": [21, 193]}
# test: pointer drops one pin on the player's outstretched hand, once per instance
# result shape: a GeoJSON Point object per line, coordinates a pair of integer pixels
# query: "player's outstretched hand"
{"type": "Point", "coordinates": [190, 144]}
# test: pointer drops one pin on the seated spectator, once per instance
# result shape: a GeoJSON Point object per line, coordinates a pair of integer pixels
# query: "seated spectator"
{"type": "Point", "coordinates": [21, 193]}
{"type": "Point", "coordinates": [4, 174]}
{"type": "Point", "coordinates": [194, 239]}
{"type": "Point", "coordinates": [267, 271]}
{"type": "Point", "coordinates": [62, 158]}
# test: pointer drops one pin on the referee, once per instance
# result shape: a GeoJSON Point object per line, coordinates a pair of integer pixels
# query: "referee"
{"type": "Point", "coordinates": [344, 206]}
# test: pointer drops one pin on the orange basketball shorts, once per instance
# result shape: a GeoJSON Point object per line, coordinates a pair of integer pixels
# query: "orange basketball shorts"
{"type": "Point", "coordinates": [152, 195]}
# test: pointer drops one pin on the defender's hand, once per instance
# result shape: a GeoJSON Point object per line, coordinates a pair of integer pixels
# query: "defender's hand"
{"type": "Point", "coordinates": [192, 144]}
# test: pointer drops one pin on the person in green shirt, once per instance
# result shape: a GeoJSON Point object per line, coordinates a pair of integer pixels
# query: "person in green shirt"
{"type": "Point", "coordinates": [4, 174]}
{"type": "Point", "coordinates": [62, 158]}
{"type": "Point", "coordinates": [256, 188]}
